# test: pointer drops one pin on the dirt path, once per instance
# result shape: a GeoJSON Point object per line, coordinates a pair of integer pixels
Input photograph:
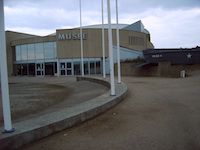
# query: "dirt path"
{"type": "Point", "coordinates": [158, 114]}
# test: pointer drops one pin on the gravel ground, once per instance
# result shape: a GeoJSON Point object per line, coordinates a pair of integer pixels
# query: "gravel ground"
{"type": "Point", "coordinates": [32, 96]}
{"type": "Point", "coordinates": [158, 114]}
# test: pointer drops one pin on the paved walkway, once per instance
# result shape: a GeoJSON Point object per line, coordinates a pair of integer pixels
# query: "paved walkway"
{"type": "Point", "coordinates": [158, 114]}
{"type": "Point", "coordinates": [34, 96]}
{"type": "Point", "coordinates": [62, 116]}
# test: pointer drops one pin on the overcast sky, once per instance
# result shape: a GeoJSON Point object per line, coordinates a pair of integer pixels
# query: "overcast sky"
{"type": "Point", "coordinates": [172, 23]}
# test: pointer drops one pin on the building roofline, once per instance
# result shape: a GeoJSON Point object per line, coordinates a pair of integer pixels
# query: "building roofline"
{"type": "Point", "coordinates": [23, 33]}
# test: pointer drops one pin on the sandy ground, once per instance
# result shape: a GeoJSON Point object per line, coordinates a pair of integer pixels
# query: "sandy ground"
{"type": "Point", "coordinates": [158, 114]}
{"type": "Point", "coordinates": [32, 96]}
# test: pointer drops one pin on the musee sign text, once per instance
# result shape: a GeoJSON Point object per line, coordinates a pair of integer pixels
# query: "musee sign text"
{"type": "Point", "coordinates": [71, 36]}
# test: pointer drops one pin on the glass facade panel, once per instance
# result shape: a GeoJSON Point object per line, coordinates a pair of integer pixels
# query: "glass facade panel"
{"type": "Point", "coordinates": [92, 67]}
{"type": "Point", "coordinates": [77, 68]}
{"type": "Point", "coordinates": [31, 69]}
{"type": "Point", "coordinates": [62, 65]}
{"type": "Point", "coordinates": [18, 53]}
{"type": "Point", "coordinates": [98, 67]}
{"type": "Point", "coordinates": [69, 72]}
{"type": "Point", "coordinates": [62, 72]}
{"type": "Point", "coordinates": [24, 69]}
{"type": "Point", "coordinates": [45, 50]}
{"type": "Point", "coordinates": [24, 52]}
{"type": "Point", "coordinates": [49, 51]}
{"type": "Point", "coordinates": [55, 49]}
{"type": "Point", "coordinates": [49, 68]}
{"type": "Point", "coordinates": [39, 51]}
{"type": "Point", "coordinates": [69, 65]}
{"type": "Point", "coordinates": [86, 68]}
{"type": "Point", "coordinates": [31, 51]}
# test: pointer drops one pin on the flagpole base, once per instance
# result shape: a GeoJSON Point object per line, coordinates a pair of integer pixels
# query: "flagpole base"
{"type": "Point", "coordinates": [9, 131]}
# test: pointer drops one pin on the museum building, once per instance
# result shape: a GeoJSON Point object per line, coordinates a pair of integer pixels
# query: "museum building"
{"type": "Point", "coordinates": [59, 53]}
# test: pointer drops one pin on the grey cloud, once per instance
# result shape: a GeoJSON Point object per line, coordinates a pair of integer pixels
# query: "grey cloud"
{"type": "Point", "coordinates": [143, 5]}
{"type": "Point", "coordinates": [94, 5]}
{"type": "Point", "coordinates": [48, 15]}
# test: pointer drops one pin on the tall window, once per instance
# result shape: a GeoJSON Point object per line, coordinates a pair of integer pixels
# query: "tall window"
{"type": "Point", "coordinates": [46, 50]}
{"type": "Point", "coordinates": [24, 52]}
{"type": "Point", "coordinates": [18, 53]}
{"type": "Point", "coordinates": [39, 51]}
{"type": "Point", "coordinates": [49, 50]}
{"type": "Point", "coordinates": [31, 51]}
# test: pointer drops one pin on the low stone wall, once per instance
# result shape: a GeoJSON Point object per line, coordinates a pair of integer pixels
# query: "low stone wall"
{"type": "Point", "coordinates": [163, 69]}
{"type": "Point", "coordinates": [96, 80]}
{"type": "Point", "coordinates": [132, 69]}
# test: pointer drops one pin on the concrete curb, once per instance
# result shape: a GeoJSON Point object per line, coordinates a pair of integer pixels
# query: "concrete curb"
{"type": "Point", "coordinates": [37, 128]}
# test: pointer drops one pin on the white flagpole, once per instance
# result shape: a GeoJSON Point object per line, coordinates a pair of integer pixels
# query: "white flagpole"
{"type": "Point", "coordinates": [118, 48]}
{"type": "Point", "coordinates": [103, 41]}
{"type": "Point", "coordinates": [81, 40]}
{"type": "Point", "coordinates": [112, 80]}
{"type": "Point", "coordinates": [4, 75]}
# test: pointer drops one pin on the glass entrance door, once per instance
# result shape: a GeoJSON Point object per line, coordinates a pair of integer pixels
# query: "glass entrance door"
{"type": "Point", "coordinates": [39, 69]}
{"type": "Point", "coordinates": [77, 68]}
{"type": "Point", "coordinates": [66, 68]}
{"type": "Point", "coordinates": [92, 67]}
{"type": "Point", "coordinates": [49, 68]}
{"type": "Point", "coordinates": [62, 68]}
{"type": "Point", "coordinates": [69, 68]}
{"type": "Point", "coordinates": [86, 68]}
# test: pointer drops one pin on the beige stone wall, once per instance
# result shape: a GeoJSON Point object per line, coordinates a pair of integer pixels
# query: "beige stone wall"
{"type": "Point", "coordinates": [92, 45]}
{"type": "Point", "coordinates": [11, 36]}
{"type": "Point", "coordinates": [163, 69]}
{"type": "Point", "coordinates": [131, 69]}
{"type": "Point", "coordinates": [33, 39]}
{"type": "Point", "coordinates": [126, 34]}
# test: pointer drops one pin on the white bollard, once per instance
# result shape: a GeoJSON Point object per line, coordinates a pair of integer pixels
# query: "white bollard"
{"type": "Point", "coordinates": [103, 41]}
{"type": "Point", "coordinates": [112, 79]}
{"type": "Point", "coordinates": [118, 46]}
{"type": "Point", "coordinates": [4, 75]}
{"type": "Point", "coordinates": [81, 39]}
{"type": "Point", "coordinates": [182, 74]}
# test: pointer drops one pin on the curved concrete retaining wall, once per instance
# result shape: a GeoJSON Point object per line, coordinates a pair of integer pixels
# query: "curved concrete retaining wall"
{"type": "Point", "coordinates": [96, 80]}
{"type": "Point", "coordinates": [36, 128]}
